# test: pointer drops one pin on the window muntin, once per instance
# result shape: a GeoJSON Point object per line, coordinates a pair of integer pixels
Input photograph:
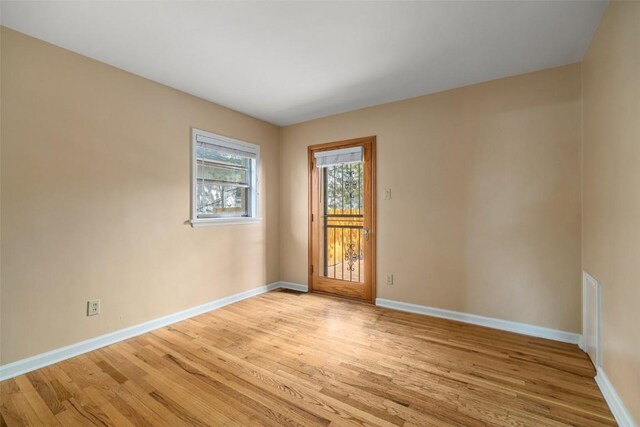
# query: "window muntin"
{"type": "Point", "coordinates": [225, 178]}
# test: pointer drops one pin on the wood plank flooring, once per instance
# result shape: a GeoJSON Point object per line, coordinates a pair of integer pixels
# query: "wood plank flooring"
{"type": "Point", "coordinates": [285, 358]}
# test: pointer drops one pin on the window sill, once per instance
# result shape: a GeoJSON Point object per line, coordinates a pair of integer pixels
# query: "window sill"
{"type": "Point", "coordinates": [210, 222]}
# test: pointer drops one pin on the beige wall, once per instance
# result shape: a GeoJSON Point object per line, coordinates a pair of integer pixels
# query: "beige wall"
{"type": "Point", "coordinates": [96, 195]}
{"type": "Point", "coordinates": [1, 102]}
{"type": "Point", "coordinates": [485, 216]}
{"type": "Point", "coordinates": [611, 230]}
{"type": "Point", "coordinates": [485, 209]}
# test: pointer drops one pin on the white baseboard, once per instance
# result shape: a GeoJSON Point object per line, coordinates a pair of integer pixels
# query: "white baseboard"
{"type": "Point", "coordinates": [622, 416]}
{"type": "Point", "coordinates": [38, 361]}
{"type": "Point", "coordinates": [41, 360]}
{"type": "Point", "coordinates": [581, 344]}
{"type": "Point", "coordinates": [294, 286]}
{"type": "Point", "coordinates": [489, 322]}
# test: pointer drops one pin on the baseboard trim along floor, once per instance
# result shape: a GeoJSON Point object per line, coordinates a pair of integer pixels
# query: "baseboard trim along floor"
{"type": "Point", "coordinates": [38, 361]}
{"type": "Point", "coordinates": [474, 319]}
{"type": "Point", "coordinates": [489, 322]}
{"type": "Point", "coordinates": [620, 412]}
{"type": "Point", "coordinates": [41, 360]}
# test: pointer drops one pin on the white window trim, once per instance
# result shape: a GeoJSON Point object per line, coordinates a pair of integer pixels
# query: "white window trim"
{"type": "Point", "coordinates": [224, 141]}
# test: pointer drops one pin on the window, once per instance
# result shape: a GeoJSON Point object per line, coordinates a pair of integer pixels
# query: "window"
{"type": "Point", "coordinates": [224, 182]}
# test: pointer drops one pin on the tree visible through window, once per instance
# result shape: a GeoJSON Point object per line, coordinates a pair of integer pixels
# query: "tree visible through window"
{"type": "Point", "coordinates": [225, 177]}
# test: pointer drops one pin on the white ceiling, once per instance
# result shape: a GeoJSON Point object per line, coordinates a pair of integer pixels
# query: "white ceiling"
{"type": "Point", "coordinates": [287, 62]}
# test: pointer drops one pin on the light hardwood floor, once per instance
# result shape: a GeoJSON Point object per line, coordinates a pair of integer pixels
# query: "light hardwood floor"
{"type": "Point", "coordinates": [287, 358]}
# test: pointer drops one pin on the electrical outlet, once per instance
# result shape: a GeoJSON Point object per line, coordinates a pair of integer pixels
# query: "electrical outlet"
{"type": "Point", "coordinates": [93, 307]}
{"type": "Point", "coordinates": [387, 194]}
{"type": "Point", "coordinates": [389, 278]}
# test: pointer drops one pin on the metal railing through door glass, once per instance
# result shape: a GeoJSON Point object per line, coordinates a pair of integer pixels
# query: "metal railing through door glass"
{"type": "Point", "coordinates": [342, 208]}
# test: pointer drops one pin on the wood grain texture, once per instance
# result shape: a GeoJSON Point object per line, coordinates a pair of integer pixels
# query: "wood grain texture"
{"type": "Point", "coordinates": [285, 358]}
{"type": "Point", "coordinates": [365, 290]}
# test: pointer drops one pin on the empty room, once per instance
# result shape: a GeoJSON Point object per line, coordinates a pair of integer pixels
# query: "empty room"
{"type": "Point", "coordinates": [314, 213]}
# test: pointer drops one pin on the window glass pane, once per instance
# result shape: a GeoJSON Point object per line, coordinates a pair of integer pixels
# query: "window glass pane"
{"type": "Point", "coordinates": [223, 173]}
{"type": "Point", "coordinates": [207, 152]}
{"type": "Point", "coordinates": [224, 179]}
{"type": "Point", "coordinates": [215, 200]}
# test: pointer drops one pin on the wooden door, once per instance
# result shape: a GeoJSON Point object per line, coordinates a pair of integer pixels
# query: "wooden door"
{"type": "Point", "coordinates": [342, 230]}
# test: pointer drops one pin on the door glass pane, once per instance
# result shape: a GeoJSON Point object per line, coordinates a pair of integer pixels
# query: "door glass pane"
{"type": "Point", "coordinates": [341, 223]}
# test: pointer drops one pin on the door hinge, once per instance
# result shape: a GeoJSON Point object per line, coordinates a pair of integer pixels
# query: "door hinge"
{"type": "Point", "coordinates": [311, 269]}
{"type": "Point", "coordinates": [311, 217]}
